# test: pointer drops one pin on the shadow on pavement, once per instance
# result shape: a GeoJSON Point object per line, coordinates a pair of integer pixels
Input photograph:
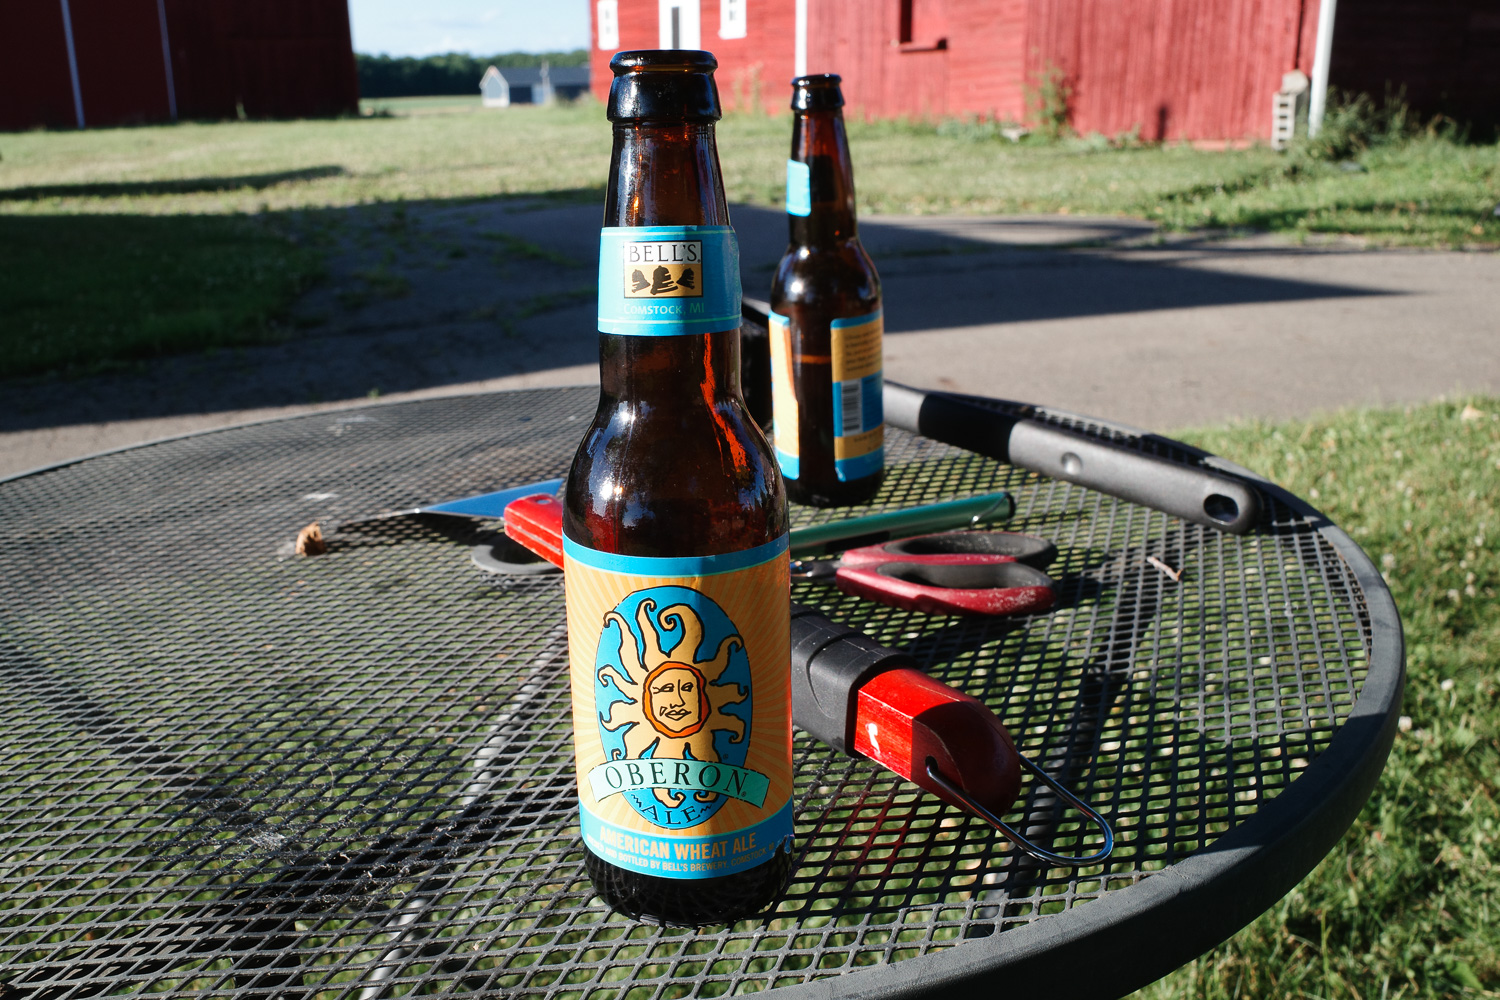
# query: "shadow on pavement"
{"type": "Point", "coordinates": [446, 293]}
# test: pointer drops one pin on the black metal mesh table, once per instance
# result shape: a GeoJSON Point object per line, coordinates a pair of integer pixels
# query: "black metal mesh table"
{"type": "Point", "coordinates": [228, 769]}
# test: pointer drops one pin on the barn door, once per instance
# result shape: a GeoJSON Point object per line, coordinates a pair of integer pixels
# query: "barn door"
{"type": "Point", "coordinates": [678, 24]}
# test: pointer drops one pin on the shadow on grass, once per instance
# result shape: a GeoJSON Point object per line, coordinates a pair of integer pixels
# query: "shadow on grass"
{"type": "Point", "coordinates": [1372, 217]}
{"type": "Point", "coordinates": [187, 185]}
{"type": "Point", "coordinates": [84, 293]}
{"type": "Point", "coordinates": [116, 317]}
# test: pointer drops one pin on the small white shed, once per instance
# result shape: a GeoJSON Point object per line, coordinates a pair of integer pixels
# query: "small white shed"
{"type": "Point", "coordinates": [500, 88]}
{"type": "Point", "coordinates": [493, 90]}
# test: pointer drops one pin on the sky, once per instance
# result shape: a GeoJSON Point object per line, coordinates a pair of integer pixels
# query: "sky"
{"type": "Point", "coordinates": [479, 27]}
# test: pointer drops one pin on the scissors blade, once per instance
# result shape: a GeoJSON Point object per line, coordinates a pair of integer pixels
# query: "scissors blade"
{"type": "Point", "coordinates": [492, 504]}
{"type": "Point", "coordinates": [815, 570]}
{"type": "Point", "coordinates": [482, 505]}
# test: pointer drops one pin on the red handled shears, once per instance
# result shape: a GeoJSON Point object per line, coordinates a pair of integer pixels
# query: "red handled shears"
{"type": "Point", "coordinates": [953, 573]}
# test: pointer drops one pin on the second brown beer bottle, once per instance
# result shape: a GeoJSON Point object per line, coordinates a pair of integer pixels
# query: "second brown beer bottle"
{"type": "Point", "coordinates": [675, 538]}
{"type": "Point", "coordinates": [826, 326]}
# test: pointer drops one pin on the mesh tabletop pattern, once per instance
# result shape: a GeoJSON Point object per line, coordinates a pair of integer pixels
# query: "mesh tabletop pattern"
{"type": "Point", "coordinates": [230, 769]}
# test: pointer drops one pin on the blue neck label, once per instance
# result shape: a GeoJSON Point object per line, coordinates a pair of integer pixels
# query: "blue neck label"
{"type": "Point", "coordinates": [798, 188]}
{"type": "Point", "coordinates": [662, 281]}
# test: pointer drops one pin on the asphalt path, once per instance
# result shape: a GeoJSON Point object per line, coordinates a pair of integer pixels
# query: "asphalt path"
{"type": "Point", "coordinates": [1099, 316]}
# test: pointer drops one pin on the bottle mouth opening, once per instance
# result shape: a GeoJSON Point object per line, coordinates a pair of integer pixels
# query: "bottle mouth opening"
{"type": "Point", "coordinates": [663, 60]}
{"type": "Point", "coordinates": [817, 92]}
{"type": "Point", "coordinates": [663, 85]}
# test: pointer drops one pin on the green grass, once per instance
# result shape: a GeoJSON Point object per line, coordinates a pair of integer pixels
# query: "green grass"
{"type": "Point", "coordinates": [1408, 903]}
{"type": "Point", "coordinates": [1429, 191]}
{"type": "Point", "coordinates": [94, 192]}
{"type": "Point", "coordinates": [407, 106]}
{"type": "Point", "coordinates": [338, 163]}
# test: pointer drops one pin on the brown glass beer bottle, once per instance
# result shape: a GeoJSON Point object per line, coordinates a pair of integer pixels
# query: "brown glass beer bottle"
{"type": "Point", "coordinates": [826, 321]}
{"type": "Point", "coordinates": [675, 538]}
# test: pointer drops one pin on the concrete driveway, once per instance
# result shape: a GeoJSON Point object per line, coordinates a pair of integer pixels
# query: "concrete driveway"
{"type": "Point", "coordinates": [1100, 316]}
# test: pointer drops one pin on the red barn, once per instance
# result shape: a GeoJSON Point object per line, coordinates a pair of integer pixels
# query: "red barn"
{"type": "Point", "coordinates": [77, 63]}
{"type": "Point", "coordinates": [1174, 69]}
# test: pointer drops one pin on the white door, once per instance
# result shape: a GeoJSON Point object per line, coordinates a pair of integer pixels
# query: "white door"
{"type": "Point", "coordinates": [678, 24]}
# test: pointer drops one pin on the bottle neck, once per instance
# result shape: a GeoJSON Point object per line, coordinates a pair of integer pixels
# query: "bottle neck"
{"type": "Point", "coordinates": [819, 140]}
{"type": "Point", "coordinates": [667, 175]}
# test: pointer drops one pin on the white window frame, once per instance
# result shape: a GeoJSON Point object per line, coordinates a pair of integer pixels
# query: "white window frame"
{"type": "Point", "coordinates": [732, 18]}
{"type": "Point", "coordinates": [607, 24]}
{"type": "Point", "coordinates": [689, 34]}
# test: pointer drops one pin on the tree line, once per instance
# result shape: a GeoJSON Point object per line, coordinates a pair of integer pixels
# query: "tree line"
{"type": "Point", "coordinates": [451, 73]}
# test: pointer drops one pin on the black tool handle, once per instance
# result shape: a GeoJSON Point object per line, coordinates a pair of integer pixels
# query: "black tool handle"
{"type": "Point", "coordinates": [1190, 492]}
{"type": "Point", "coordinates": [830, 662]}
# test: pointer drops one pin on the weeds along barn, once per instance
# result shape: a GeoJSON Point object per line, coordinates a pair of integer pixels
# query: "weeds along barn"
{"type": "Point", "coordinates": [1206, 70]}
{"type": "Point", "coordinates": [90, 63]}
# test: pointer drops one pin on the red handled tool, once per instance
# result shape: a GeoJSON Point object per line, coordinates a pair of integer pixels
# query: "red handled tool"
{"type": "Point", "coordinates": [866, 700]}
{"type": "Point", "coordinates": [536, 522]}
{"type": "Point", "coordinates": [955, 573]}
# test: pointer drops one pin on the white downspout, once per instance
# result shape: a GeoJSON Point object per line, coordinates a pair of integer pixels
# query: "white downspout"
{"type": "Point", "coordinates": [166, 58]}
{"type": "Point", "coordinates": [72, 62]}
{"type": "Point", "coordinates": [1324, 52]}
{"type": "Point", "coordinates": [799, 52]}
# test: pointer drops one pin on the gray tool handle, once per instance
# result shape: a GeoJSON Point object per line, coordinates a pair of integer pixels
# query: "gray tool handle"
{"type": "Point", "coordinates": [1190, 492]}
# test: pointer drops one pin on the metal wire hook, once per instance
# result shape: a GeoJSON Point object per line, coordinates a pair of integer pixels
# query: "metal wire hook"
{"type": "Point", "coordinates": [1015, 836]}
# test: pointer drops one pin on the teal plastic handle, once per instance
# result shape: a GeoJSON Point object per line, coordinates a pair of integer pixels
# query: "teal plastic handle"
{"type": "Point", "coordinates": [837, 536]}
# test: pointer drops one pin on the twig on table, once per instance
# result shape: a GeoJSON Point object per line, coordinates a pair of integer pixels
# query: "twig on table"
{"type": "Point", "coordinates": [1175, 575]}
{"type": "Point", "coordinates": [310, 541]}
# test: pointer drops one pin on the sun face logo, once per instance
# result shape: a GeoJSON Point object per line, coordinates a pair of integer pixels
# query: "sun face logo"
{"type": "Point", "coordinates": [676, 702]}
{"type": "Point", "coordinates": [672, 694]}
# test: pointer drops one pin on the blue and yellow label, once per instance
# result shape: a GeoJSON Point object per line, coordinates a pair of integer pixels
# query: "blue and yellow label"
{"type": "Point", "coordinates": [660, 281]}
{"type": "Point", "coordinates": [857, 346]}
{"type": "Point", "coordinates": [681, 708]}
{"type": "Point", "coordinates": [785, 413]}
{"type": "Point", "coordinates": [858, 386]}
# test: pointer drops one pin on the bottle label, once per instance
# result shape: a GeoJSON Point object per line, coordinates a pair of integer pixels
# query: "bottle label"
{"type": "Point", "coordinates": [858, 410]}
{"type": "Point", "coordinates": [659, 281]}
{"type": "Point", "coordinates": [682, 715]}
{"type": "Point", "coordinates": [784, 411]}
{"type": "Point", "coordinates": [798, 188]}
